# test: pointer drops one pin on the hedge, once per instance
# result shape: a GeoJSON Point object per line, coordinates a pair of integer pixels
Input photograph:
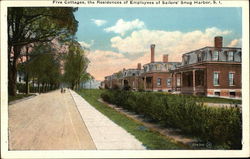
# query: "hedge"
{"type": "Point", "coordinates": [220, 126]}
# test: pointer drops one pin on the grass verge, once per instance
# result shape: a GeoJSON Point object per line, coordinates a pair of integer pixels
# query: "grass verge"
{"type": "Point", "coordinates": [18, 96]}
{"type": "Point", "coordinates": [213, 99]}
{"type": "Point", "coordinates": [151, 140]}
{"type": "Point", "coordinates": [219, 100]}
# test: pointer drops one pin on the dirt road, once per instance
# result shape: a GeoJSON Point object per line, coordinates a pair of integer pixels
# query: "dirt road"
{"type": "Point", "coordinates": [48, 121]}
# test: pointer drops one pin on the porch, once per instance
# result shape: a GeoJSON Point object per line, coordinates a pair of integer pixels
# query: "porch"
{"type": "Point", "coordinates": [190, 81]}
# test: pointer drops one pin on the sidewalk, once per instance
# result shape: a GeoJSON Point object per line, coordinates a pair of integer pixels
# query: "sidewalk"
{"type": "Point", "coordinates": [105, 133]}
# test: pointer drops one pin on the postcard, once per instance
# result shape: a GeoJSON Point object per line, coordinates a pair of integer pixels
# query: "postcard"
{"type": "Point", "coordinates": [124, 78]}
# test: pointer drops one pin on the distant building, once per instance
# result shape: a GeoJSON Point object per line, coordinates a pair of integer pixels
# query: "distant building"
{"type": "Point", "coordinates": [209, 71]}
{"type": "Point", "coordinates": [91, 84]}
{"type": "Point", "coordinates": [20, 77]}
{"type": "Point", "coordinates": [156, 75]}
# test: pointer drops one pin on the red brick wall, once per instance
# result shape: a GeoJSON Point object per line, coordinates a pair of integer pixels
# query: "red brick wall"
{"type": "Point", "coordinates": [163, 77]}
{"type": "Point", "coordinates": [223, 70]}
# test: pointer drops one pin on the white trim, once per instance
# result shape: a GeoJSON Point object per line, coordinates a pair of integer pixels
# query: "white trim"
{"type": "Point", "coordinates": [217, 90]}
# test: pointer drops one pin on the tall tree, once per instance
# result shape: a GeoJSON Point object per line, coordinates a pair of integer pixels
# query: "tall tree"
{"type": "Point", "coordinates": [75, 64]}
{"type": "Point", "coordinates": [35, 24]}
{"type": "Point", "coordinates": [44, 65]}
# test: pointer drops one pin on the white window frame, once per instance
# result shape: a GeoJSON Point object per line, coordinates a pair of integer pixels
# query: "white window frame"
{"type": "Point", "coordinates": [216, 81]}
{"type": "Point", "coordinates": [230, 56]}
{"type": "Point", "coordinates": [169, 81]}
{"type": "Point", "coordinates": [231, 79]}
{"type": "Point", "coordinates": [215, 58]}
{"type": "Point", "coordinates": [158, 81]}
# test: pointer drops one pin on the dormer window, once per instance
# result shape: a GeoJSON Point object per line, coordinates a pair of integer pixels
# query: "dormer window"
{"type": "Point", "coordinates": [215, 56]}
{"type": "Point", "coordinates": [186, 59]}
{"type": "Point", "coordinates": [230, 56]}
{"type": "Point", "coordinates": [199, 57]}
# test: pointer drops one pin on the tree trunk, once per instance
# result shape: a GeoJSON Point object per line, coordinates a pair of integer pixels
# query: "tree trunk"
{"type": "Point", "coordinates": [12, 81]}
{"type": "Point", "coordinates": [27, 90]}
{"type": "Point", "coordinates": [33, 85]}
{"type": "Point", "coordinates": [43, 87]}
{"type": "Point", "coordinates": [12, 72]}
{"type": "Point", "coordinates": [46, 87]}
{"type": "Point", "coordinates": [38, 86]}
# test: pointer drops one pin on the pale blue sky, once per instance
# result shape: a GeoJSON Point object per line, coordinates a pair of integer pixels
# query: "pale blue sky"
{"type": "Point", "coordinates": [120, 37]}
{"type": "Point", "coordinates": [169, 19]}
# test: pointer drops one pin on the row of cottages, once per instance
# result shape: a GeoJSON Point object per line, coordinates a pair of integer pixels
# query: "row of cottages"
{"type": "Point", "coordinates": [209, 71]}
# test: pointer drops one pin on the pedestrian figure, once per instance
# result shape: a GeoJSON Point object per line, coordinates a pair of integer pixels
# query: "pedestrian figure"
{"type": "Point", "coordinates": [61, 90]}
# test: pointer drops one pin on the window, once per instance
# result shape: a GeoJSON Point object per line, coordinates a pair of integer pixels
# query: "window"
{"type": "Point", "coordinates": [158, 81]}
{"type": "Point", "coordinates": [20, 79]}
{"type": "Point", "coordinates": [230, 56]}
{"type": "Point", "coordinates": [199, 57]}
{"type": "Point", "coordinates": [232, 94]}
{"type": "Point", "coordinates": [158, 67]}
{"type": "Point", "coordinates": [186, 59]}
{"type": "Point", "coordinates": [231, 78]}
{"type": "Point", "coordinates": [169, 82]}
{"type": "Point", "coordinates": [215, 56]}
{"type": "Point", "coordinates": [216, 78]}
{"type": "Point", "coordinates": [240, 55]}
{"type": "Point", "coordinates": [217, 93]}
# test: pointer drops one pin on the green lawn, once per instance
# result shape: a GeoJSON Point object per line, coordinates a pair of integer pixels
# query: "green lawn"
{"type": "Point", "coordinates": [212, 99]}
{"type": "Point", "coordinates": [18, 96]}
{"type": "Point", "coordinates": [150, 139]}
{"type": "Point", "coordinates": [219, 100]}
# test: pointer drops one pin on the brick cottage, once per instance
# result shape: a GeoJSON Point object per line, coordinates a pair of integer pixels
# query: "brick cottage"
{"type": "Point", "coordinates": [209, 71]}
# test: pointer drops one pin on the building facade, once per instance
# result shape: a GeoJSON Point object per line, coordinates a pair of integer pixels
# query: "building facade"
{"type": "Point", "coordinates": [209, 71]}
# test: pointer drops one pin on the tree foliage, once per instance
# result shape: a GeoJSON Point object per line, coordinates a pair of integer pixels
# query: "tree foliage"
{"type": "Point", "coordinates": [28, 25]}
{"type": "Point", "coordinates": [75, 65]}
{"type": "Point", "coordinates": [44, 65]}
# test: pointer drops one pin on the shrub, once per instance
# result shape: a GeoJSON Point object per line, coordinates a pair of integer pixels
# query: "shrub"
{"type": "Point", "coordinates": [220, 126]}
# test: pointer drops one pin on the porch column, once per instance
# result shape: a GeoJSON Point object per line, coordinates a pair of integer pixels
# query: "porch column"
{"type": "Point", "coordinates": [173, 82]}
{"type": "Point", "coordinates": [194, 82]}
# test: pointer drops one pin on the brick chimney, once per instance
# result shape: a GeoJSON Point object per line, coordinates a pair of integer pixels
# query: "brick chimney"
{"type": "Point", "coordinates": [152, 46]}
{"type": "Point", "coordinates": [165, 58]}
{"type": "Point", "coordinates": [139, 66]}
{"type": "Point", "coordinates": [218, 42]}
